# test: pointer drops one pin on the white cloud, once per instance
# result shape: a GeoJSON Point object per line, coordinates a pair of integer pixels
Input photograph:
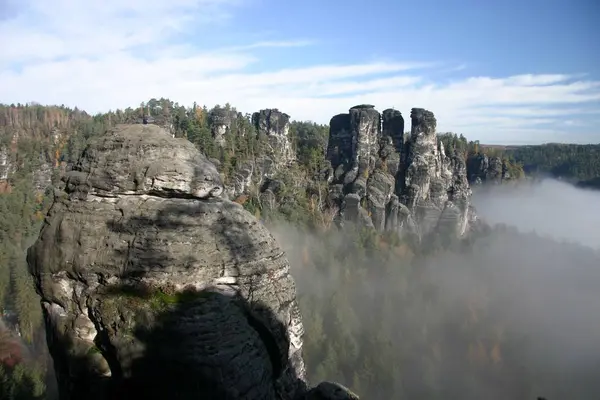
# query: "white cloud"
{"type": "Point", "coordinates": [117, 53]}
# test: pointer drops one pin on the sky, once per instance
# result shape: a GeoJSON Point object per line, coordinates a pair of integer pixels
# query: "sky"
{"type": "Point", "coordinates": [502, 72]}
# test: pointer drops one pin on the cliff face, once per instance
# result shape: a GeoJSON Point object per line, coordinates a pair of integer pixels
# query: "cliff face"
{"type": "Point", "coordinates": [484, 169]}
{"type": "Point", "coordinates": [272, 127]}
{"type": "Point", "coordinates": [221, 120]}
{"type": "Point", "coordinates": [392, 181]}
{"type": "Point", "coordinates": [155, 286]}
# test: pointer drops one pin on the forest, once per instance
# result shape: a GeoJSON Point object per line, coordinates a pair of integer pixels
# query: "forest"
{"type": "Point", "coordinates": [385, 316]}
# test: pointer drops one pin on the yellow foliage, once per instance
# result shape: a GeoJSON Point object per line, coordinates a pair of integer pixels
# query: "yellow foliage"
{"type": "Point", "coordinates": [200, 115]}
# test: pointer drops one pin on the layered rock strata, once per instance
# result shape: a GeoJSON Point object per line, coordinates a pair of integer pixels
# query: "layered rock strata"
{"type": "Point", "coordinates": [388, 180]}
{"type": "Point", "coordinates": [153, 286]}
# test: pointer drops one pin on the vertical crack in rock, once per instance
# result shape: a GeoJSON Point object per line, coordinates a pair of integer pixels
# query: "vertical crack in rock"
{"type": "Point", "coordinates": [391, 181]}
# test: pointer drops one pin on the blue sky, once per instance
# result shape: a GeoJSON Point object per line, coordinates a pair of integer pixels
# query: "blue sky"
{"type": "Point", "coordinates": [501, 72]}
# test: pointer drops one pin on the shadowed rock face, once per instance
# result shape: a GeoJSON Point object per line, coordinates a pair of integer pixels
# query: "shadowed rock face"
{"type": "Point", "coordinates": [153, 286]}
{"type": "Point", "coordinates": [392, 181]}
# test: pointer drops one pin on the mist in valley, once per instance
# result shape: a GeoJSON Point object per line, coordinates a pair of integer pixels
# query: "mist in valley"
{"type": "Point", "coordinates": [515, 313]}
{"type": "Point", "coordinates": [549, 207]}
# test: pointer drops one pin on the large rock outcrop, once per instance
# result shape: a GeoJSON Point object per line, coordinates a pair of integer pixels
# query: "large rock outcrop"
{"type": "Point", "coordinates": [153, 286]}
{"type": "Point", "coordinates": [484, 169]}
{"type": "Point", "coordinates": [272, 127]}
{"type": "Point", "coordinates": [221, 120]}
{"type": "Point", "coordinates": [391, 181]}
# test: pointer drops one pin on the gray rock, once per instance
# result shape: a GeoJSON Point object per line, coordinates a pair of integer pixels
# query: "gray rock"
{"type": "Point", "coordinates": [154, 287]}
{"type": "Point", "coordinates": [143, 160]}
{"type": "Point", "coordinates": [484, 169]}
{"type": "Point", "coordinates": [340, 145]}
{"type": "Point", "coordinates": [272, 128]}
{"type": "Point", "coordinates": [275, 126]}
{"type": "Point", "coordinates": [365, 128]}
{"type": "Point", "coordinates": [410, 180]}
{"type": "Point", "coordinates": [242, 179]}
{"type": "Point", "coordinates": [6, 166]}
{"type": "Point", "coordinates": [220, 120]}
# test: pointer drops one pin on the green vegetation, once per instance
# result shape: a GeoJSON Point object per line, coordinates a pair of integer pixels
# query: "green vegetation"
{"type": "Point", "coordinates": [577, 163]}
{"type": "Point", "coordinates": [21, 382]}
{"type": "Point", "coordinates": [468, 149]}
{"type": "Point", "coordinates": [142, 295]}
{"type": "Point", "coordinates": [365, 279]}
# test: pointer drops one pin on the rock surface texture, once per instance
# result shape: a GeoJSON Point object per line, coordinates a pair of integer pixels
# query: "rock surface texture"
{"type": "Point", "coordinates": [484, 169]}
{"type": "Point", "coordinates": [392, 181]}
{"type": "Point", "coordinates": [221, 120]}
{"type": "Point", "coordinates": [153, 286]}
{"type": "Point", "coordinates": [275, 126]}
{"type": "Point", "coordinates": [272, 127]}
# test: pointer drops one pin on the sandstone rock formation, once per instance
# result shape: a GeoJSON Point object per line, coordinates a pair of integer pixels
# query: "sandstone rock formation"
{"type": "Point", "coordinates": [6, 166]}
{"type": "Point", "coordinates": [220, 122]}
{"type": "Point", "coordinates": [153, 286]}
{"type": "Point", "coordinates": [392, 181]}
{"type": "Point", "coordinates": [484, 169]}
{"type": "Point", "coordinates": [275, 126]}
{"type": "Point", "coordinates": [272, 127]}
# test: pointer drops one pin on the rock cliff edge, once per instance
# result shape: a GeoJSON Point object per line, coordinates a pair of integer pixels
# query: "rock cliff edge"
{"type": "Point", "coordinates": [154, 286]}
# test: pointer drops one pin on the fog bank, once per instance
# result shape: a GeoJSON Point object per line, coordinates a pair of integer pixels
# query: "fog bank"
{"type": "Point", "coordinates": [549, 207]}
{"type": "Point", "coordinates": [514, 316]}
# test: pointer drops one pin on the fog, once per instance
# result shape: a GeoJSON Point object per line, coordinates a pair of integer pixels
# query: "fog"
{"type": "Point", "coordinates": [549, 207]}
{"type": "Point", "coordinates": [514, 316]}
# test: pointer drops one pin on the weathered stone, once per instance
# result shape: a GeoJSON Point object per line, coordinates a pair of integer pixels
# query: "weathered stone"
{"type": "Point", "coordinates": [410, 178]}
{"type": "Point", "coordinates": [152, 285]}
{"type": "Point", "coordinates": [220, 120]}
{"type": "Point", "coordinates": [393, 129]}
{"type": "Point", "coordinates": [275, 125]}
{"type": "Point", "coordinates": [6, 166]}
{"type": "Point", "coordinates": [272, 128]}
{"type": "Point", "coordinates": [365, 128]}
{"type": "Point", "coordinates": [484, 169]}
{"type": "Point", "coordinates": [340, 144]}
{"type": "Point", "coordinates": [130, 164]}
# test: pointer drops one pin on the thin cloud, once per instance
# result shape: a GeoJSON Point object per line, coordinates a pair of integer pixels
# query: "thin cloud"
{"type": "Point", "coordinates": [272, 44]}
{"type": "Point", "coordinates": [99, 56]}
